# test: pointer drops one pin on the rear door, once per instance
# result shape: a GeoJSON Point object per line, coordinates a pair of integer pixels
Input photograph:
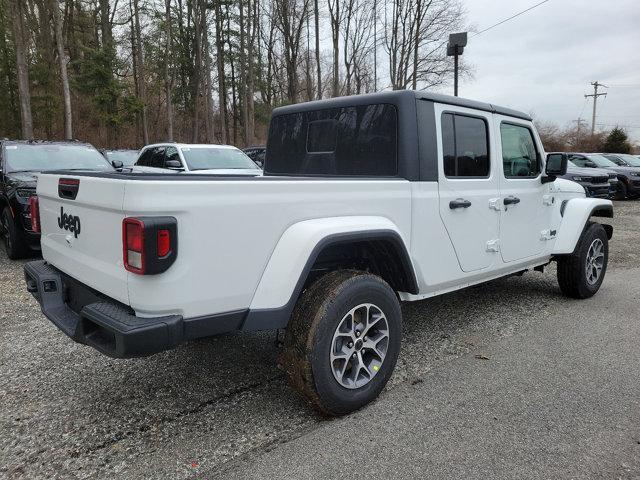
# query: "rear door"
{"type": "Point", "coordinates": [468, 185]}
{"type": "Point", "coordinates": [526, 207]}
{"type": "Point", "coordinates": [82, 230]}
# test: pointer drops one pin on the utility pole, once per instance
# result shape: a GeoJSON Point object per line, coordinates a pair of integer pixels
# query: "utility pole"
{"type": "Point", "coordinates": [578, 122]}
{"type": "Point", "coordinates": [595, 96]}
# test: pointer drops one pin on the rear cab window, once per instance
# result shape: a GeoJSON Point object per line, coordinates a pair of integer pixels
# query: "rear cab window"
{"type": "Point", "coordinates": [344, 141]}
{"type": "Point", "coordinates": [465, 144]}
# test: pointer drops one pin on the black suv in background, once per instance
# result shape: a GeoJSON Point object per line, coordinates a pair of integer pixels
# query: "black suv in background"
{"type": "Point", "coordinates": [597, 182]}
{"type": "Point", "coordinates": [623, 159]}
{"type": "Point", "coordinates": [257, 154]}
{"type": "Point", "coordinates": [20, 162]}
{"type": "Point", "coordinates": [628, 177]}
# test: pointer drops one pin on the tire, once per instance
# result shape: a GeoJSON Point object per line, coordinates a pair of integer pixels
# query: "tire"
{"type": "Point", "coordinates": [14, 243]}
{"type": "Point", "coordinates": [312, 337]}
{"type": "Point", "coordinates": [576, 277]}
{"type": "Point", "coordinates": [622, 193]}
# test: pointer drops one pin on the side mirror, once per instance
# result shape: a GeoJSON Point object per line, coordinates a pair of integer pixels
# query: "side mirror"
{"type": "Point", "coordinates": [117, 164]}
{"type": "Point", "coordinates": [556, 166]}
{"type": "Point", "coordinates": [173, 164]}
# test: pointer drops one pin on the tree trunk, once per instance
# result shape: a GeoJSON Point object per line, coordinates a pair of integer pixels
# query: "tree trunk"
{"type": "Point", "coordinates": [318, 69]}
{"type": "Point", "coordinates": [17, 15]}
{"type": "Point", "coordinates": [168, 82]}
{"type": "Point", "coordinates": [200, 29]}
{"type": "Point", "coordinates": [64, 77]}
{"type": "Point", "coordinates": [242, 86]}
{"type": "Point", "coordinates": [222, 89]}
{"type": "Point", "coordinates": [308, 65]}
{"type": "Point", "coordinates": [335, 36]}
{"type": "Point", "coordinates": [252, 19]}
{"type": "Point", "coordinates": [416, 42]}
{"type": "Point", "coordinates": [208, 94]}
{"type": "Point", "coordinates": [141, 79]}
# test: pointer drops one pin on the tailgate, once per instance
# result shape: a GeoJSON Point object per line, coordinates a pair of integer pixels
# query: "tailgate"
{"type": "Point", "coordinates": [82, 236]}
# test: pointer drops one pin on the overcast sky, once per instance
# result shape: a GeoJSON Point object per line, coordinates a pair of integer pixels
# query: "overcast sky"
{"type": "Point", "coordinates": [544, 61]}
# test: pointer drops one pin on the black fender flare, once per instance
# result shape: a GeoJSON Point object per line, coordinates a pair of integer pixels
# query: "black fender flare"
{"type": "Point", "coordinates": [274, 318]}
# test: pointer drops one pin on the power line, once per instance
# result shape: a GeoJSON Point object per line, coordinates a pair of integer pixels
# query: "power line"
{"type": "Point", "coordinates": [507, 19]}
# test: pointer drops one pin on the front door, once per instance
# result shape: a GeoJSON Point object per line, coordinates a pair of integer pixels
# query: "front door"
{"type": "Point", "coordinates": [525, 206]}
{"type": "Point", "coordinates": [468, 185]}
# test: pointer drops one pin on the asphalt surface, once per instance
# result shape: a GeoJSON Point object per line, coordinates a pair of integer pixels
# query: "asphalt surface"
{"type": "Point", "coordinates": [557, 396]}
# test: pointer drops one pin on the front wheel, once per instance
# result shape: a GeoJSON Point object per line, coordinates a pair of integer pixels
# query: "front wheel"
{"type": "Point", "coordinates": [343, 341]}
{"type": "Point", "coordinates": [581, 273]}
{"type": "Point", "coordinates": [14, 243]}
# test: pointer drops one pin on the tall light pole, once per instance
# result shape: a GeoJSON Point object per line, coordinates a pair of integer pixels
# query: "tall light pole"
{"type": "Point", "coordinates": [455, 48]}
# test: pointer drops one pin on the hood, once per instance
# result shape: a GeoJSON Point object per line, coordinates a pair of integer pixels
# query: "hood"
{"type": "Point", "coordinates": [625, 170]}
{"type": "Point", "coordinates": [586, 172]}
{"type": "Point", "coordinates": [22, 179]}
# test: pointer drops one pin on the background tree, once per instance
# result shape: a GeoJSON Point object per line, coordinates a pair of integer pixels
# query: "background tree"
{"type": "Point", "coordinates": [617, 142]}
{"type": "Point", "coordinates": [18, 17]}
{"type": "Point", "coordinates": [120, 73]}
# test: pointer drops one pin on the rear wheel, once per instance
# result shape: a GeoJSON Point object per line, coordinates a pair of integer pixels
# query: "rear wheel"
{"type": "Point", "coordinates": [13, 240]}
{"type": "Point", "coordinates": [622, 191]}
{"type": "Point", "coordinates": [343, 341]}
{"type": "Point", "coordinates": [581, 273]}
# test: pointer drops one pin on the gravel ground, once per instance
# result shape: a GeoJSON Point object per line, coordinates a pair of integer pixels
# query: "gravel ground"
{"type": "Point", "coordinates": [68, 412]}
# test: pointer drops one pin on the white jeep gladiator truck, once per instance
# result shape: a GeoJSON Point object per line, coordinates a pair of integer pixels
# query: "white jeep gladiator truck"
{"type": "Point", "coordinates": [366, 201]}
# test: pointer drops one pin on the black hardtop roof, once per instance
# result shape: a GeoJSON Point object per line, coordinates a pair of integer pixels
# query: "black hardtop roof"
{"type": "Point", "coordinates": [394, 97]}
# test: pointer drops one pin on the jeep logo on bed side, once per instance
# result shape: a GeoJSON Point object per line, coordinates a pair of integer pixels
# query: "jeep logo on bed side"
{"type": "Point", "coordinates": [69, 222]}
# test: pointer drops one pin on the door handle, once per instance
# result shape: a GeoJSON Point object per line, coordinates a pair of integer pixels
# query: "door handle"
{"type": "Point", "coordinates": [511, 200]}
{"type": "Point", "coordinates": [459, 203]}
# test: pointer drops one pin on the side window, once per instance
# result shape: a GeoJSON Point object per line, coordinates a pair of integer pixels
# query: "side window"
{"type": "Point", "coordinates": [465, 145]}
{"type": "Point", "coordinates": [157, 157]}
{"type": "Point", "coordinates": [171, 154]}
{"type": "Point", "coordinates": [519, 154]}
{"type": "Point", "coordinates": [322, 136]}
{"type": "Point", "coordinates": [342, 141]}
{"type": "Point", "coordinates": [145, 159]}
{"type": "Point", "coordinates": [578, 161]}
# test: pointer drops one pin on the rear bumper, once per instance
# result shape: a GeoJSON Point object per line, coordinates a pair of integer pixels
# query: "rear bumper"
{"type": "Point", "coordinates": [107, 326]}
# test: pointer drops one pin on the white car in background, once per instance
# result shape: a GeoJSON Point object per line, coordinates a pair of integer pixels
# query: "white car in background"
{"type": "Point", "coordinates": [196, 159]}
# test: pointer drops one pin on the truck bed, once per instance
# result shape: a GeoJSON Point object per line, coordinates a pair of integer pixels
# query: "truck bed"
{"type": "Point", "coordinates": [228, 228]}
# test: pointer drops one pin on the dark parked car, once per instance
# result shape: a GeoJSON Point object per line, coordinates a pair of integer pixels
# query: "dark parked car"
{"type": "Point", "coordinates": [597, 182]}
{"type": "Point", "coordinates": [19, 164]}
{"type": "Point", "coordinates": [623, 159]}
{"type": "Point", "coordinates": [257, 154]}
{"type": "Point", "coordinates": [629, 177]}
{"type": "Point", "coordinates": [127, 157]}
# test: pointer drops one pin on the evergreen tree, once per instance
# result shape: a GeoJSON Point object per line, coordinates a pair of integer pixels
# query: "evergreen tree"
{"type": "Point", "coordinates": [617, 142]}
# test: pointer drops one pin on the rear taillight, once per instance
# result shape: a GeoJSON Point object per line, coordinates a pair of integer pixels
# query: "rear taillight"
{"type": "Point", "coordinates": [149, 244]}
{"type": "Point", "coordinates": [34, 211]}
{"type": "Point", "coordinates": [133, 245]}
{"type": "Point", "coordinates": [164, 242]}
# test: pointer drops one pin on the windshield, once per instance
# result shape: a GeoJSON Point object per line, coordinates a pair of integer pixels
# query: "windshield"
{"type": "Point", "coordinates": [46, 157]}
{"type": "Point", "coordinates": [630, 160]}
{"type": "Point", "coordinates": [127, 157]}
{"type": "Point", "coordinates": [600, 161]}
{"type": "Point", "coordinates": [206, 158]}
